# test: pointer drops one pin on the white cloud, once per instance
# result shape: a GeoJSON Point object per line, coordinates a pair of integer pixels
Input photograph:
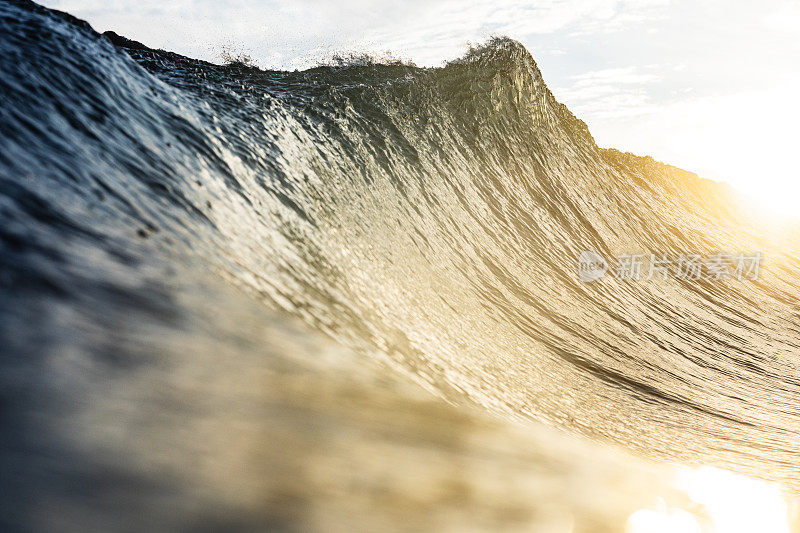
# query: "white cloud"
{"type": "Point", "coordinates": [427, 32]}
{"type": "Point", "coordinates": [609, 93]}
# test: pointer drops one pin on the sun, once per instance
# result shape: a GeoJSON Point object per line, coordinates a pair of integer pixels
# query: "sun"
{"type": "Point", "coordinates": [774, 203]}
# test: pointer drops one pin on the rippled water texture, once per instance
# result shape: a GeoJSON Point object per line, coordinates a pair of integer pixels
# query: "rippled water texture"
{"type": "Point", "coordinates": [347, 299]}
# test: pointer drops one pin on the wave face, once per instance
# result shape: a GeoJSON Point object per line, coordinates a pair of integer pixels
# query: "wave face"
{"type": "Point", "coordinates": [425, 221]}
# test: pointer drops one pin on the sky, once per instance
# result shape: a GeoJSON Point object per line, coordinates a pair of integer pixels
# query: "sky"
{"type": "Point", "coordinates": [711, 86]}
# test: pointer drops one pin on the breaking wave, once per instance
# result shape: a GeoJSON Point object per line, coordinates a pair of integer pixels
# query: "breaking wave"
{"type": "Point", "coordinates": [191, 253]}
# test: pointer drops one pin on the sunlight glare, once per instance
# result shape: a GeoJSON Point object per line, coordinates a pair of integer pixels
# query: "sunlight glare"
{"type": "Point", "coordinates": [727, 503]}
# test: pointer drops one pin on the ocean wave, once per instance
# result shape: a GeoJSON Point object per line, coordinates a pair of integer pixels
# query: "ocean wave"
{"type": "Point", "coordinates": [427, 221]}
